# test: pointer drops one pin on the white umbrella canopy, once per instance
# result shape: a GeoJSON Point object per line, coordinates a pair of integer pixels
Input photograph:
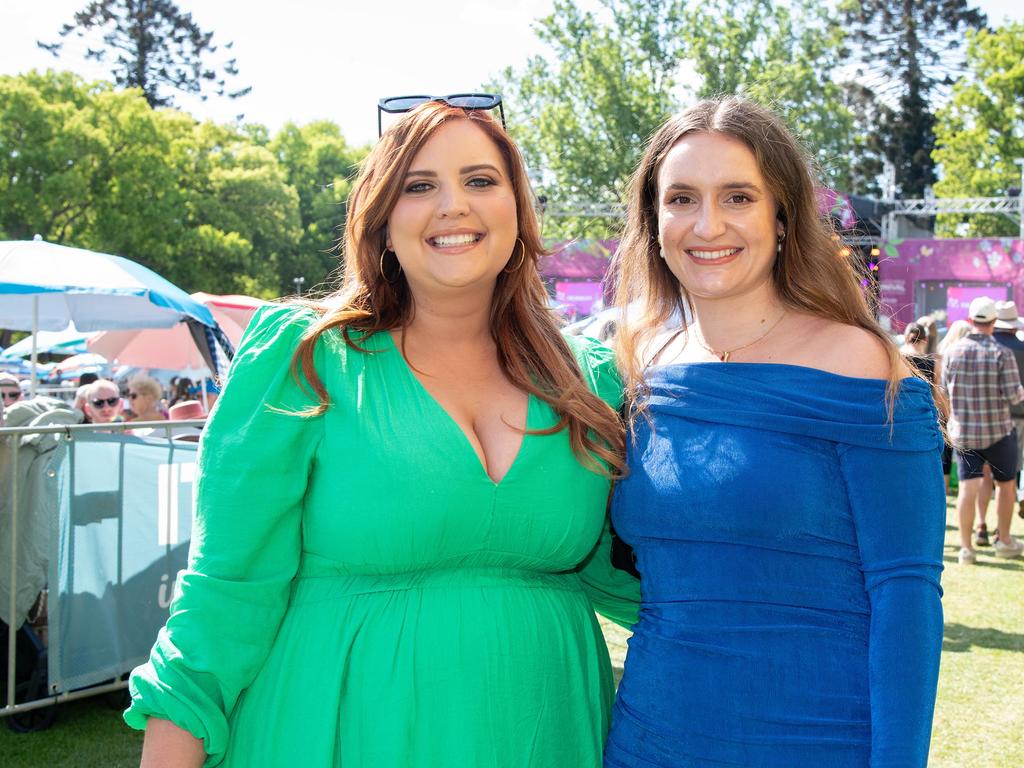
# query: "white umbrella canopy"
{"type": "Point", "coordinates": [44, 286]}
{"type": "Point", "coordinates": [79, 364]}
{"type": "Point", "coordinates": [70, 341]}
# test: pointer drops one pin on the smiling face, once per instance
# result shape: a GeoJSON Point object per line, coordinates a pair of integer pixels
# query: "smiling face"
{"type": "Point", "coordinates": [454, 225]}
{"type": "Point", "coordinates": [717, 220]}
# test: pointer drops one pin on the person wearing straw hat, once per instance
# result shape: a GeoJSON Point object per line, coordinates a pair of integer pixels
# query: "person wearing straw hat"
{"type": "Point", "coordinates": [983, 381]}
{"type": "Point", "coordinates": [1007, 333]}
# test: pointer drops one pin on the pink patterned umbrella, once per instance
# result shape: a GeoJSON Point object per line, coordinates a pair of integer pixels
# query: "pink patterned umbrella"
{"type": "Point", "coordinates": [174, 348]}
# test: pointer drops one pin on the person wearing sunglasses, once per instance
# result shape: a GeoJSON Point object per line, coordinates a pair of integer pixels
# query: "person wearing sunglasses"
{"type": "Point", "coordinates": [10, 389]}
{"type": "Point", "coordinates": [144, 395]}
{"type": "Point", "coordinates": [401, 505]}
{"type": "Point", "coordinates": [102, 402]}
{"type": "Point", "coordinates": [10, 393]}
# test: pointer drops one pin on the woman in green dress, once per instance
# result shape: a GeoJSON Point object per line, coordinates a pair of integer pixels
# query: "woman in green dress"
{"type": "Point", "coordinates": [400, 532]}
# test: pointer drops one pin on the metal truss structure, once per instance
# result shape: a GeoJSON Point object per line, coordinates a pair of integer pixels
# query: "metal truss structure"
{"type": "Point", "coordinates": [1012, 207]}
{"type": "Point", "coordinates": [584, 210]}
{"type": "Point", "coordinates": [1006, 206]}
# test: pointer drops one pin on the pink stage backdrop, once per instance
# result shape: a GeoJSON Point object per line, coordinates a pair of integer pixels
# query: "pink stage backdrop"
{"type": "Point", "coordinates": [580, 294]}
{"type": "Point", "coordinates": [960, 270]}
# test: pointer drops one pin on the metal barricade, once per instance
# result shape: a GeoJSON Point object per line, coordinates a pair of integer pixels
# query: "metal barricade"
{"type": "Point", "coordinates": [60, 687]}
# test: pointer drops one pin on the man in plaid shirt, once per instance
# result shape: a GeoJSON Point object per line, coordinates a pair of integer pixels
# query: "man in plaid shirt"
{"type": "Point", "coordinates": [982, 381]}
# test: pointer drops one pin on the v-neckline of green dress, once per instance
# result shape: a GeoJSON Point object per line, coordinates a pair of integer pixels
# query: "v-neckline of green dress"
{"type": "Point", "coordinates": [442, 412]}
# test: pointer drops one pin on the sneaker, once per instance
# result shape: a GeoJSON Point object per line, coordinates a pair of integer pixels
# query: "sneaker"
{"type": "Point", "coordinates": [967, 556]}
{"type": "Point", "coordinates": [1012, 548]}
{"type": "Point", "coordinates": [981, 536]}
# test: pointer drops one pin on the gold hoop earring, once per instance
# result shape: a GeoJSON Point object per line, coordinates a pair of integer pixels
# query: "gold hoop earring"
{"type": "Point", "coordinates": [522, 257]}
{"type": "Point", "coordinates": [381, 267]}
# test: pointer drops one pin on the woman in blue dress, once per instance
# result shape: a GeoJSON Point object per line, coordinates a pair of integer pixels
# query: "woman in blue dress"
{"type": "Point", "coordinates": [784, 499]}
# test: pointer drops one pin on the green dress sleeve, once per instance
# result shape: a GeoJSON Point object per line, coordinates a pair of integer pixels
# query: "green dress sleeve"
{"type": "Point", "coordinates": [614, 593]}
{"type": "Point", "coordinates": [253, 467]}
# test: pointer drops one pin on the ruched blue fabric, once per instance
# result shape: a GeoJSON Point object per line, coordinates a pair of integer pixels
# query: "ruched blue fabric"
{"type": "Point", "coordinates": [789, 539]}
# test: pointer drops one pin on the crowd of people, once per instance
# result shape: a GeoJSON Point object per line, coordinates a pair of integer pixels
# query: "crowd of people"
{"type": "Point", "coordinates": [103, 401]}
{"type": "Point", "coordinates": [978, 368]}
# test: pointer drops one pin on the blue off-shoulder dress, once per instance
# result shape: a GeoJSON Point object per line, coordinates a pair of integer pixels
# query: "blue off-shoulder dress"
{"type": "Point", "coordinates": [789, 539]}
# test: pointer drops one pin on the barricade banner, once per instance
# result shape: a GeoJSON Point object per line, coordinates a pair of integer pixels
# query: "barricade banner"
{"type": "Point", "coordinates": [121, 535]}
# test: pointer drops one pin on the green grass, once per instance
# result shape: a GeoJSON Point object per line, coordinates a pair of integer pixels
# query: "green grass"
{"type": "Point", "coordinates": [979, 717]}
{"type": "Point", "coordinates": [88, 733]}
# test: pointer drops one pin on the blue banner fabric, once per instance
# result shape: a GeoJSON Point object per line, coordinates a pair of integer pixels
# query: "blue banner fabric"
{"type": "Point", "coordinates": [121, 536]}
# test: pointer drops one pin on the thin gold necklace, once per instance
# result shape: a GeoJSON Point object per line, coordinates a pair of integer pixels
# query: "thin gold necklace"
{"type": "Point", "coordinates": [724, 355]}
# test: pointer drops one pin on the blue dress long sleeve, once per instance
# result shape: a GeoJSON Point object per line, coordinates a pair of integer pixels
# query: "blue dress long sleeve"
{"type": "Point", "coordinates": [789, 539]}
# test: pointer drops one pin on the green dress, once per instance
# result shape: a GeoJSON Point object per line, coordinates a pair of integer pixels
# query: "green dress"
{"type": "Point", "coordinates": [361, 594]}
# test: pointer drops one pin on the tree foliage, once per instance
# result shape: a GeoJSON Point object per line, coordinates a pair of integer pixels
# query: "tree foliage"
{"type": "Point", "coordinates": [219, 208]}
{"type": "Point", "coordinates": [584, 111]}
{"type": "Point", "coordinates": [980, 131]}
{"type": "Point", "coordinates": [320, 166]}
{"type": "Point", "coordinates": [154, 46]}
{"type": "Point", "coordinates": [783, 55]}
{"type": "Point", "coordinates": [906, 51]}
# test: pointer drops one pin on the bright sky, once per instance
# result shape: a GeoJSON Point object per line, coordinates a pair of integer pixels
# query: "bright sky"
{"type": "Point", "coordinates": [314, 59]}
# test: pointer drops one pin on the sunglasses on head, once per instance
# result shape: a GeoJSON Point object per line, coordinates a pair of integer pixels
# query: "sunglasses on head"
{"type": "Point", "coordinates": [397, 104]}
{"type": "Point", "coordinates": [11, 394]}
{"type": "Point", "coordinates": [110, 401]}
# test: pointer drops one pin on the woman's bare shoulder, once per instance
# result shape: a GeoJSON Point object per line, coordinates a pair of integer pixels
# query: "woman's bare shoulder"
{"type": "Point", "coordinates": [846, 350]}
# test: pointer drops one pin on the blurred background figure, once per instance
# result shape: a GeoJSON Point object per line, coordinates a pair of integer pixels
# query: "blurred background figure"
{"type": "Point", "coordinates": [954, 333]}
{"type": "Point", "coordinates": [10, 389]}
{"type": "Point", "coordinates": [83, 383]}
{"type": "Point", "coordinates": [983, 381]}
{"type": "Point", "coordinates": [931, 331]}
{"type": "Point", "coordinates": [144, 396]}
{"type": "Point", "coordinates": [1007, 333]}
{"type": "Point", "coordinates": [103, 403]}
{"type": "Point", "coordinates": [187, 410]}
{"type": "Point", "coordinates": [180, 387]}
{"type": "Point", "coordinates": [915, 350]}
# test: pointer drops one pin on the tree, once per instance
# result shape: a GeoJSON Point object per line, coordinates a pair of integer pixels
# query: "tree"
{"type": "Point", "coordinates": [907, 51]}
{"type": "Point", "coordinates": [157, 47]}
{"type": "Point", "coordinates": [320, 166]}
{"type": "Point", "coordinates": [783, 55]}
{"type": "Point", "coordinates": [78, 161]}
{"type": "Point", "coordinates": [583, 112]}
{"type": "Point", "coordinates": [201, 204]}
{"type": "Point", "coordinates": [978, 132]}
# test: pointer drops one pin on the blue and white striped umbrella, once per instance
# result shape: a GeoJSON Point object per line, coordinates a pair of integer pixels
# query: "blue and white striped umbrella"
{"type": "Point", "coordinates": [95, 291]}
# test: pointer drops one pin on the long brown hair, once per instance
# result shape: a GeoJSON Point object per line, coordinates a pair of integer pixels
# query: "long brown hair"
{"type": "Point", "coordinates": [809, 274]}
{"type": "Point", "coordinates": [375, 296]}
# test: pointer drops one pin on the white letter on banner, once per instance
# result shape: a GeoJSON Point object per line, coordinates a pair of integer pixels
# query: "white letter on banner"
{"type": "Point", "coordinates": [169, 478]}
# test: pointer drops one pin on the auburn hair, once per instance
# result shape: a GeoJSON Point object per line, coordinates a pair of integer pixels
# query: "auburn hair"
{"type": "Point", "coordinates": [809, 274]}
{"type": "Point", "coordinates": [531, 349]}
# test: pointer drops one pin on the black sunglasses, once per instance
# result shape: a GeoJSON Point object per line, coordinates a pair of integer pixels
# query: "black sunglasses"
{"type": "Point", "coordinates": [396, 104]}
{"type": "Point", "coordinates": [111, 401]}
{"type": "Point", "coordinates": [11, 395]}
